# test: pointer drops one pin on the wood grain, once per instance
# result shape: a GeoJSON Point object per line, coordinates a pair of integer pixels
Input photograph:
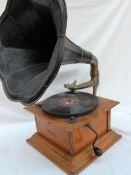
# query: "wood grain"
{"type": "Point", "coordinates": [71, 164]}
{"type": "Point", "coordinates": [68, 145]}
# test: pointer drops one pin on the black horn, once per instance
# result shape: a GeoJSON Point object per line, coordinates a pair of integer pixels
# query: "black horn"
{"type": "Point", "coordinates": [33, 46]}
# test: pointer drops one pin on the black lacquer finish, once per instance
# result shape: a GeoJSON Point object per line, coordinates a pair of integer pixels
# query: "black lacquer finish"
{"type": "Point", "coordinates": [33, 45]}
{"type": "Point", "coordinates": [70, 104]}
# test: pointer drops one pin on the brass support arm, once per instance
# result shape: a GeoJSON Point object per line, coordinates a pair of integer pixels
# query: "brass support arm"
{"type": "Point", "coordinates": [94, 73]}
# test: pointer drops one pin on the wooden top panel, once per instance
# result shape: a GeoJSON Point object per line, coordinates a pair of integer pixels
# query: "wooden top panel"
{"type": "Point", "coordinates": [103, 106]}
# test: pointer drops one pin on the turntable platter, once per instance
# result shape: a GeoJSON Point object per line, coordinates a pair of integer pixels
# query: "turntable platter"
{"type": "Point", "coordinates": [70, 104]}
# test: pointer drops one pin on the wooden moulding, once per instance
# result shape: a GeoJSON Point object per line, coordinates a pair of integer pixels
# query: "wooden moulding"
{"type": "Point", "coordinates": [72, 165]}
{"type": "Point", "coordinates": [68, 145]}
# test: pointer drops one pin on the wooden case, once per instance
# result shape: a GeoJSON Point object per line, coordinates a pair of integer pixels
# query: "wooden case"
{"type": "Point", "coordinates": [69, 145]}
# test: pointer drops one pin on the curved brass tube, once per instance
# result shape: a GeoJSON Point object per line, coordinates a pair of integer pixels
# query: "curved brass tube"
{"type": "Point", "coordinates": [94, 73]}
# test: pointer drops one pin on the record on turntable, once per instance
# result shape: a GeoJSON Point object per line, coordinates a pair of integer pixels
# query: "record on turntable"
{"type": "Point", "coordinates": [69, 104]}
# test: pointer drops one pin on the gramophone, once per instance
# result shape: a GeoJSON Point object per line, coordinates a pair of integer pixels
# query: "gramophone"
{"type": "Point", "coordinates": [33, 46]}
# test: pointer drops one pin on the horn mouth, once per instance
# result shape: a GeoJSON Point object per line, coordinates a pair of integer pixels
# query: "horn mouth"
{"type": "Point", "coordinates": [31, 50]}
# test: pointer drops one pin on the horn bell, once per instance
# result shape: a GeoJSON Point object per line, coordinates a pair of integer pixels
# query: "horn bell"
{"type": "Point", "coordinates": [33, 46]}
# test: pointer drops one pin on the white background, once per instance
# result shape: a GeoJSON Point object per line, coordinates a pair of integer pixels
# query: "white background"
{"type": "Point", "coordinates": [104, 28]}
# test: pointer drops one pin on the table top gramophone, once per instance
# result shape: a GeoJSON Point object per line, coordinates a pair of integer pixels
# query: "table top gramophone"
{"type": "Point", "coordinates": [33, 46]}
